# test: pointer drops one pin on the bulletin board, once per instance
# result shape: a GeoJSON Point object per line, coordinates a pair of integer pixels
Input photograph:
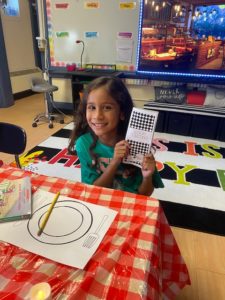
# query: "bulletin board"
{"type": "Point", "coordinates": [108, 28]}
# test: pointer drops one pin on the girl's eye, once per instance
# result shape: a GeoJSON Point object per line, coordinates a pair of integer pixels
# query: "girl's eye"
{"type": "Point", "coordinates": [107, 107]}
{"type": "Point", "coordinates": [90, 107]}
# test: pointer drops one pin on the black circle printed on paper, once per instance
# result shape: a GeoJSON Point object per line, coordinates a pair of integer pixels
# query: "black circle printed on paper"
{"type": "Point", "coordinates": [70, 220]}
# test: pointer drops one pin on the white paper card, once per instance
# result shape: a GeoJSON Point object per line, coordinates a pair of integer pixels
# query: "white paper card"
{"type": "Point", "coordinates": [73, 232]}
{"type": "Point", "coordinates": [140, 132]}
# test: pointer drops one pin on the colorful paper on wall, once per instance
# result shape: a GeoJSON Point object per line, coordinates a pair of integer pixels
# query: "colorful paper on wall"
{"type": "Point", "coordinates": [91, 4]}
{"type": "Point", "coordinates": [62, 34]}
{"type": "Point", "coordinates": [125, 35]}
{"type": "Point", "coordinates": [91, 34]}
{"type": "Point", "coordinates": [127, 5]}
{"type": "Point", "coordinates": [61, 5]}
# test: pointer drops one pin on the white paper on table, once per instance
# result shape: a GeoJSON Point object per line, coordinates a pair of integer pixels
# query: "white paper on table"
{"type": "Point", "coordinates": [55, 170]}
{"type": "Point", "coordinates": [65, 237]}
{"type": "Point", "coordinates": [140, 133]}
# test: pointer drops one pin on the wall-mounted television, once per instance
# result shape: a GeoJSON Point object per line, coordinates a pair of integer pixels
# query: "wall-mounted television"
{"type": "Point", "coordinates": [182, 40]}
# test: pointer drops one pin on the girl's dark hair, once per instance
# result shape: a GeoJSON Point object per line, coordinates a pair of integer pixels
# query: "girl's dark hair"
{"type": "Point", "coordinates": [118, 91]}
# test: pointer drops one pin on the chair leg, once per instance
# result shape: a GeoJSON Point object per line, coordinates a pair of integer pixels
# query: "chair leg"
{"type": "Point", "coordinates": [58, 117]}
{"type": "Point", "coordinates": [17, 159]}
{"type": "Point", "coordinates": [48, 117]}
{"type": "Point", "coordinates": [42, 118]}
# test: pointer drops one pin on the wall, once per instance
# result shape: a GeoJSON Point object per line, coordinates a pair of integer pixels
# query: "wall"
{"type": "Point", "coordinates": [6, 97]}
{"type": "Point", "coordinates": [108, 30]}
{"type": "Point", "coordinates": [21, 60]}
{"type": "Point", "coordinates": [19, 48]}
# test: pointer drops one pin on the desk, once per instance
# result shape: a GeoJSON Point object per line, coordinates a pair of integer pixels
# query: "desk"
{"type": "Point", "coordinates": [137, 259]}
{"type": "Point", "coordinates": [80, 78]}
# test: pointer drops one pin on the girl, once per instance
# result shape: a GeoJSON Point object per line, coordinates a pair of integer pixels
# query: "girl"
{"type": "Point", "coordinates": [100, 128]}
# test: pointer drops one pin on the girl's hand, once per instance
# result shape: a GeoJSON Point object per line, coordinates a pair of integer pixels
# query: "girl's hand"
{"type": "Point", "coordinates": [121, 150]}
{"type": "Point", "coordinates": [148, 165]}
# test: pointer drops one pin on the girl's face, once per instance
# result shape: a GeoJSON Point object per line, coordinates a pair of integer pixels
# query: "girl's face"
{"type": "Point", "coordinates": [103, 115]}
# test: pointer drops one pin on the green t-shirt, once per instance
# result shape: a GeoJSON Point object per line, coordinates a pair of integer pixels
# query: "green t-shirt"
{"type": "Point", "coordinates": [127, 178]}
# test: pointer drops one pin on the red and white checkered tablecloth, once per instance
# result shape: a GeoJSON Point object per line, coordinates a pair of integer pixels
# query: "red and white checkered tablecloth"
{"type": "Point", "coordinates": [137, 259]}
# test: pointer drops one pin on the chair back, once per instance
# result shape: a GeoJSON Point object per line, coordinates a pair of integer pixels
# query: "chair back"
{"type": "Point", "coordinates": [13, 140]}
{"type": "Point", "coordinates": [40, 85]}
{"type": "Point", "coordinates": [37, 84]}
{"type": "Point", "coordinates": [37, 81]}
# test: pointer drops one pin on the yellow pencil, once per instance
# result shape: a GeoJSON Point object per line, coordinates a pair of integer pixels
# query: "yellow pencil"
{"type": "Point", "coordinates": [43, 224]}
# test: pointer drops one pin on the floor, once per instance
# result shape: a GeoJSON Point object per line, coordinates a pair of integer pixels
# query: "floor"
{"type": "Point", "coordinates": [203, 253]}
{"type": "Point", "coordinates": [23, 113]}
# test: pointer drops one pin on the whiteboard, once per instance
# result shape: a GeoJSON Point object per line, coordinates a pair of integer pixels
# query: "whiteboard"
{"type": "Point", "coordinates": [99, 28]}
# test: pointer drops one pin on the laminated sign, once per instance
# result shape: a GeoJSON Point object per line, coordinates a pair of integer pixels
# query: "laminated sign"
{"type": "Point", "coordinates": [140, 134]}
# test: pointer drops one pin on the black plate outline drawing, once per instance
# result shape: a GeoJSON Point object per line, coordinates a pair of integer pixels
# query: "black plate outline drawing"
{"type": "Point", "coordinates": [45, 237]}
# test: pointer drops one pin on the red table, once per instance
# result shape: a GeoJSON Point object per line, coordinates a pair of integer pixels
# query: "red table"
{"type": "Point", "coordinates": [137, 259]}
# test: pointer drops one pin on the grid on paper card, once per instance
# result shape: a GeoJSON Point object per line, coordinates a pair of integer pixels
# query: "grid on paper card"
{"type": "Point", "coordinates": [142, 121]}
{"type": "Point", "coordinates": [139, 134]}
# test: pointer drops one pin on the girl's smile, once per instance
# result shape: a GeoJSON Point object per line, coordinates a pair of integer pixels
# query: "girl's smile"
{"type": "Point", "coordinates": [103, 115]}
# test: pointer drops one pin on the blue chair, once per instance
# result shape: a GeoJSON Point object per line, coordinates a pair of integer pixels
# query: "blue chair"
{"type": "Point", "coordinates": [40, 85]}
{"type": "Point", "coordinates": [13, 140]}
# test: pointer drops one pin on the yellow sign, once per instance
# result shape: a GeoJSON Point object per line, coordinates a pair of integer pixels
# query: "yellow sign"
{"type": "Point", "coordinates": [128, 5]}
{"type": "Point", "coordinates": [92, 4]}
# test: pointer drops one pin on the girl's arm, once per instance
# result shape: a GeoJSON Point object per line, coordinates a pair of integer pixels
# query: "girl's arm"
{"type": "Point", "coordinates": [106, 178]}
{"type": "Point", "coordinates": [148, 168]}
